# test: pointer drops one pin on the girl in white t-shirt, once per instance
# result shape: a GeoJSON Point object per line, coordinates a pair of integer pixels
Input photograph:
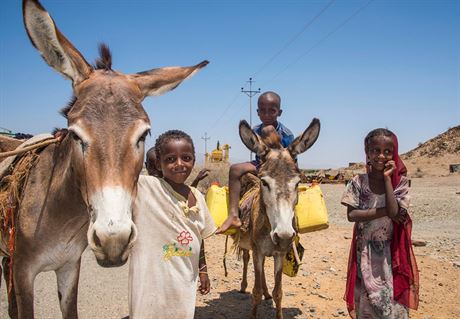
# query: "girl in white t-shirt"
{"type": "Point", "coordinates": [172, 220]}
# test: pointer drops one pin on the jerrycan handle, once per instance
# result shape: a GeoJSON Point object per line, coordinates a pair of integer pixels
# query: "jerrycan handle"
{"type": "Point", "coordinates": [302, 188]}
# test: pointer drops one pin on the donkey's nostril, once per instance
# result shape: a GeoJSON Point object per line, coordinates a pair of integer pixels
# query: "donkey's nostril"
{"type": "Point", "coordinates": [97, 241]}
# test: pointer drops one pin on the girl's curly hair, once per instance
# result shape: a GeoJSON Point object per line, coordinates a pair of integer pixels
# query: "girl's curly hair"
{"type": "Point", "coordinates": [171, 135]}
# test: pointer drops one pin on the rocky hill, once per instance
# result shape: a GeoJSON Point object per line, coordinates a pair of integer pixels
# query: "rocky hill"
{"type": "Point", "coordinates": [447, 143]}
{"type": "Point", "coordinates": [433, 157]}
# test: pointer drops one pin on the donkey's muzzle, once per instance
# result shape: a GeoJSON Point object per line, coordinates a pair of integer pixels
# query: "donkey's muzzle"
{"type": "Point", "coordinates": [283, 239]}
{"type": "Point", "coordinates": [112, 247]}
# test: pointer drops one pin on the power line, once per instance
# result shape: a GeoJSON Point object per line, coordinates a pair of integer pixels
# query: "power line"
{"type": "Point", "coordinates": [323, 39]}
{"type": "Point", "coordinates": [307, 25]}
{"type": "Point", "coordinates": [235, 97]}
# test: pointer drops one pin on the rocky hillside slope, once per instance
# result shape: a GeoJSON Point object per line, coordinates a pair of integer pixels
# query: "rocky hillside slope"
{"type": "Point", "coordinates": [433, 157]}
{"type": "Point", "coordinates": [447, 143]}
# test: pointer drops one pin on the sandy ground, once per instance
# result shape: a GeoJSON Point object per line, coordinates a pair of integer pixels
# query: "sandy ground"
{"type": "Point", "coordinates": [317, 290]}
{"type": "Point", "coordinates": [431, 166]}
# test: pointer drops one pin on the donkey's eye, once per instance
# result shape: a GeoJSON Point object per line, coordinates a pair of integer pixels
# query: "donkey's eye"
{"type": "Point", "coordinates": [264, 183]}
{"type": "Point", "coordinates": [79, 140]}
{"type": "Point", "coordinates": [75, 137]}
{"type": "Point", "coordinates": [142, 138]}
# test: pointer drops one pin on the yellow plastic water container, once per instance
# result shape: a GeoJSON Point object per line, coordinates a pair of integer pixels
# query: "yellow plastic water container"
{"type": "Point", "coordinates": [290, 264]}
{"type": "Point", "coordinates": [217, 201]}
{"type": "Point", "coordinates": [311, 211]}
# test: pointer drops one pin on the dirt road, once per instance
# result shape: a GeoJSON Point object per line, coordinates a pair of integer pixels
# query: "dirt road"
{"type": "Point", "coordinates": [317, 290]}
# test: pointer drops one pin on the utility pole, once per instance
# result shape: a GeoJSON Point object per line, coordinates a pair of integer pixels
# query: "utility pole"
{"type": "Point", "coordinates": [250, 93]}
{"type": "Point", "coordinates": [205, 138]}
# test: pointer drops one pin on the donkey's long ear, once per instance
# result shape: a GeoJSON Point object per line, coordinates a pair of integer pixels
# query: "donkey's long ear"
{"type": "Point", "coordinates": [306, 140]}
{"type": "Point", "coordinates": [57, 51]}
{"type": "Point", "coordinates": [159, 81]}
{"type": "Point", "coordinates": [251, 140]}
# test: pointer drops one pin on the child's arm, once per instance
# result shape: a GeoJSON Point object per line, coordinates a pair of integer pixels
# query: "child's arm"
{"type": "Point", "coordinates": [361, 215]}
{"type": "Point", "coordinates": [205, 284]}
{"type": "Point", "coordinates": [201, 175]}
{"type": "Point", "coordinates": [351, 199]}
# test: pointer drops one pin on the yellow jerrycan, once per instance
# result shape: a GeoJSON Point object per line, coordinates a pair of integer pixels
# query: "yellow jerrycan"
{"type": "Point", "coordinates": [311, 211]}
{"type": "Point", "coordinates": [290, 263]}
{"type": "Point", "coordinates": [217, 201]}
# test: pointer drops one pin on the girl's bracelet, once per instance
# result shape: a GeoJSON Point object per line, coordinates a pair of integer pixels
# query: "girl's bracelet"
{"type": "Point", "coordinates": [203, 272]}
{"type": "Point", "coordinates": [203, 267]}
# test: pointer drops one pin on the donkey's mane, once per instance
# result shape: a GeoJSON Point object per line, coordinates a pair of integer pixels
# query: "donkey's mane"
{"type": "Point", "coordinates": [104, 62]}
{"type": "Point", "coordinates": [271, 139]}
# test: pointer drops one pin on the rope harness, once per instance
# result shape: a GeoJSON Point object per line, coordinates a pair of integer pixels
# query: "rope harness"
{"type": "Point", "coordinates": [11, 194]}
{"type": "Point", "coordinates": [30, 147]}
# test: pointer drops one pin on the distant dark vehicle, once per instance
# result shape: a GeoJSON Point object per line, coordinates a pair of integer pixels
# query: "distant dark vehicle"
{"type": "Point", "coordinates": [453, 168]}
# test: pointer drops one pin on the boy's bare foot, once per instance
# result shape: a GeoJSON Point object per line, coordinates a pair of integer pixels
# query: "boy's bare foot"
{"type": "Point", "coordinates": [232, 222]}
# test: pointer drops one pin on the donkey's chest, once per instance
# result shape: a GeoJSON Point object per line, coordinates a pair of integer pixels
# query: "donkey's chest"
{"type": "Point", "coordinates": [62, 253]}
{"type": "Point", "coordinates": [51, 243]}
{"type": "Point", "coordinates": [266, 247]}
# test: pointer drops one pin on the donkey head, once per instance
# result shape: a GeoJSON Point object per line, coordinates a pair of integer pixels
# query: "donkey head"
{"type": "Point", "coordinates": [107, 126]}
{"type": "Point", "coordinates": [279, 175]}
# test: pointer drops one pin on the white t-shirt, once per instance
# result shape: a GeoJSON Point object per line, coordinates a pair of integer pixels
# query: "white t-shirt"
{"type": "Point", "coordinates": [163, 268]}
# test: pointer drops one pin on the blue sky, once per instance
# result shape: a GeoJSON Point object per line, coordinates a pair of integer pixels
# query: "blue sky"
{"type": "Point", "coordinates": [356, 65]}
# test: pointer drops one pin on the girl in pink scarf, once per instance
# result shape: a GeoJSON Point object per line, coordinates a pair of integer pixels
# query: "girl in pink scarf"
{"type": "Point", "coordinates": [382, 279]}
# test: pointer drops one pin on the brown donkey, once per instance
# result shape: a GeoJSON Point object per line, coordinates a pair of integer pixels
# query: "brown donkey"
{"type": "Point", "coordinates": [81, 191]}
{"type": "Point", "coordinates": [271, 228]}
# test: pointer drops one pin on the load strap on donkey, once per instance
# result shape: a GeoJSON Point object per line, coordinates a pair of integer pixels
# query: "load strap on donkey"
{"type": "Point", "coordinates": [15, 166]}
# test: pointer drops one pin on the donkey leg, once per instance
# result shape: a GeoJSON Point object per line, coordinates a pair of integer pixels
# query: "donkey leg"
{"type": "Point", "coordinates": [244, 281]}
{"type": "Point", "coordinates": [267, 295]}
{"type": "Point", "coordinates": [257, 290]}
{"type": "Point", "coordinates": [23, 283]}
{"type": "Point", "coordinates": [277, 290]}
{"type": "Point", "coordinates": [67, 281]}
{"type": "Point", "coordinates": [12, 305]}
